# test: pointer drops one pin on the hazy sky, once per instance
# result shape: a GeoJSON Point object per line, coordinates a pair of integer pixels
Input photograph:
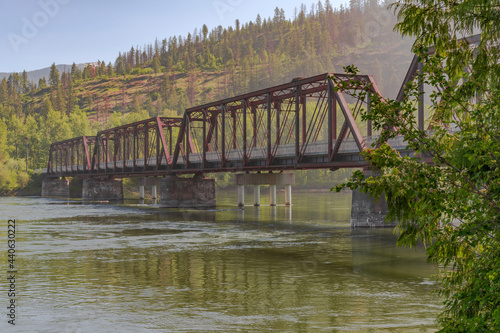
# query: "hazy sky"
{"type": "Point", "coordinates": [36, 33]}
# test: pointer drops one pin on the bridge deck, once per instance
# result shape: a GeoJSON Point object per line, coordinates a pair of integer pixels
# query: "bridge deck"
{"type": "Point", "coordinates": [316, 156]}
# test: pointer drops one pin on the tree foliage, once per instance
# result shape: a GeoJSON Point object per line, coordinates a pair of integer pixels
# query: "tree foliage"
{"type": "Point", "coordinates": [448, 195]}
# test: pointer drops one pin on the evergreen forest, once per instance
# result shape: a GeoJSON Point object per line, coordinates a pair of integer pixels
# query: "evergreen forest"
{"type": "Point", "coordinates": [167, 76]}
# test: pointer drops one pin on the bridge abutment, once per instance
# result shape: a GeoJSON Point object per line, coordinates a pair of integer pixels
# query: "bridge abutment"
{"type": "Point", "coordinates": [102, 189]}
{"type": "Point", "coordinates": [55, 188]}
{"type": "Point", "coordinates": [258, 179]}
{"type": "Point", "coordinates": [366, 211]}
{"type": "Point", "coordinates": [196, 192]}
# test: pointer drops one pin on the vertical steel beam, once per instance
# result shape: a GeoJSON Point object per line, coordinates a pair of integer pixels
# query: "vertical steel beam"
{"type": "Point", "coordinates": [78, 157]}
{"type": "Point", "coordinates": [98, 152]}
{"type": "Point", "coordinates": [223, 137]}
{"type": "Point", "coordinates": [331, 101]}
{"type": "Point", "coordinates": [107, 153]}
{"type": "Point", "coordinates": [86, 156]}
{"type": "Point", "coordinates": [216, 129]}
{"type": "Point", "coordinates": [134, 147]}
{"type": "Point", "coordinates": [254, 111]}
{"type": "Point", "coordinates": [61, 159]}
{"type": "Point", "coordinates": [158, 139]}
{"type": "Point", "coordinates": [204, 158]}
{"type": "Point", "coordinates": [304, 119]}
{"type": "Point", "coordinates": [125, 153]}
{"type": "Point", "coordinates": [170, 130]}
{"type": "Point", "coordinates": [297, 123]}
{"type": "Point", "coordinates": [269, 131]}
{"type": "Point", "coordinates": [278, 127]}
{"type": "Point", "coordinates": [187, 139]}
{"type": "Point", "coordinates": [116, 144]}
{"type": "Point", "coordinates": [146, 145]}
{"type": "Point", "coordinates": [245, 157]}
{"type": "Point", "coordinates": [233, 115]}
{"type": "Point", "coordinates": [67, 160]}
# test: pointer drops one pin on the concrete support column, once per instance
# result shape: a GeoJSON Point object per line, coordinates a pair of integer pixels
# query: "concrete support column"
{"type": "Point", "coordinates": [288, 195]}
{"type": "Point", "coordinates": [272, 195]}
{"type": "Point", "coordinates": [55, 188]}
{"type": "Point", "coordinates": [141, 192]}
{"type": "Point", "coordinates": [368, 212]}
{"type": "Point", "coordinates": [256, 195]}
{"type": "Point", "coordinates": [241, 195]}
{"type": "Point", "coordinates": [102, 189]}
{"type": "Point", "coordinates": [153, 192]}
{"type": "Point", "coordinates": [272, 179]}
{"type": "Point", "coordinates": [197, 192]}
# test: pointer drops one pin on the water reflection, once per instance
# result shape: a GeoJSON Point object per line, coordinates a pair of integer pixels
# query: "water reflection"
{"type": "Point", "coordinates": [134, 269]}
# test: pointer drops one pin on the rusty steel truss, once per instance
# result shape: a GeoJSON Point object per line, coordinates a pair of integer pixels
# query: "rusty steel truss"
{"type": "Point", "coordinates": [308, 123]}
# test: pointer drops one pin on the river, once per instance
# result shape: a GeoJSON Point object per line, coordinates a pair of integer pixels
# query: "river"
{"type": "Point", "coordinates": [138, 268]}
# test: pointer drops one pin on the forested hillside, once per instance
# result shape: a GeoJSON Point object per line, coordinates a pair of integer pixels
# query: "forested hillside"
{"type": "Point", "coordinates": [168, 76]}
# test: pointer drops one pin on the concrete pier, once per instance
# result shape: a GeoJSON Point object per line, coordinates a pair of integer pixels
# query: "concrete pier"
{"type": "Point", "coordinates": [256, 195]}
{"type": "Point", "coordinates": [102, 190]}
{"type": "Point", "coordinates": [368, 212]}
{"type": "Point", "coordinates": [258, 179]}
{"type": "Point", "coordinates": [288, 195]}
{"type": "Point", "coordinates": [55, 188]}
{"type": "Point", "coordinates": [241, 195]}
{"type": "Point", "coordinates": [272, 195]}
{"type": "Point", "coordinates": [196, 192]}
{"type": "Point", "coordinates": [144, 183]}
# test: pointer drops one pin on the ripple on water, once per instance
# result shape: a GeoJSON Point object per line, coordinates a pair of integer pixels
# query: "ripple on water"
{"type": "Point", "coordinates": [122, 268]}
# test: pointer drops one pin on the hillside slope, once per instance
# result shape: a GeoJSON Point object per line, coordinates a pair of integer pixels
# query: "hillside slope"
{"type": "Point", "coordinates": [168, 76]}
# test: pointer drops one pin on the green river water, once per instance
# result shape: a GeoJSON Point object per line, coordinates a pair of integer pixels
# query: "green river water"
{"type": "Point", "coordinates": [138, 268]}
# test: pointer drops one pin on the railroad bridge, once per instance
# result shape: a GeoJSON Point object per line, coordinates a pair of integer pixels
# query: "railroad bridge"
{"type": "Point", "coordinates": [309, 123]}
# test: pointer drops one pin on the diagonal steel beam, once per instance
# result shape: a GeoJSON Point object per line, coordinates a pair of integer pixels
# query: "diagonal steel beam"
{"type": "Point", "coordinates": [166, 153]}
{"type": "Point", "coordinates": [351, 122]}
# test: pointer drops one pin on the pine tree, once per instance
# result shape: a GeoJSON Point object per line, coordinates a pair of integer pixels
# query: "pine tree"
{"type": "Point", "coordinates": [25, 82]}
{"type": "Point", "coordinates": [119, 65]}
{"type": "Point", "coordinates": [42, 83]}
{"type": "Point", "coordinates": [102, 69]}
{"type": "Point", "coordinates": [46, 108]}
{"type": "Point", "coordinates": [54, 78]}
{"type": "Point", "coordinates": [74, 68]}
{"type": "Point", "coordinates": [110, 70]}
{"type": "Point", "coordinates": [204, 31]}
{"type": "Point", "coordinates": [156, 65]}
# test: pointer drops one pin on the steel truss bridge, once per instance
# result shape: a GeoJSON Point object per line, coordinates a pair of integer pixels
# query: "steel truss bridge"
{"type": "Point", "coordinates": [308, 123]}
